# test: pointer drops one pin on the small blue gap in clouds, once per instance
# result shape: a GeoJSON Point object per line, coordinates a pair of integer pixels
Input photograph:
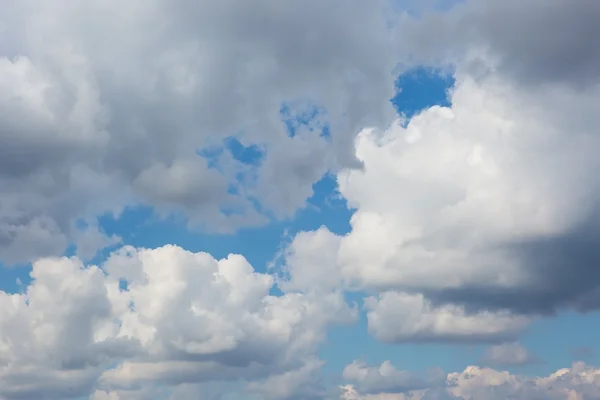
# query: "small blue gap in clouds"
{"type": "Point", "coordinates": [140, 227]}
{"type": "Point", "coordinates": [421, 88]}
{"type": "Point", "coordinates": [309, 116]}
{"type": "Point", "coordinates": [249, 155]}
{"type": "Point", "coordinates": [326, 207]}
{"type": "Point", "coordinates": [326, 132]}
{"type": "Point", "coordinates": [14, 278]}
{"type": "Point", "coordinates": [123, 285]}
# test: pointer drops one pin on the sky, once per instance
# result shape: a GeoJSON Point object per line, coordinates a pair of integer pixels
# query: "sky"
{"type": "Point", "coordinates": [317, 200]}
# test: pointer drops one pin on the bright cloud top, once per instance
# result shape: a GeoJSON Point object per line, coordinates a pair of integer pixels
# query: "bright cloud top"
{"type": "Point", "coordinates": [156, 317]}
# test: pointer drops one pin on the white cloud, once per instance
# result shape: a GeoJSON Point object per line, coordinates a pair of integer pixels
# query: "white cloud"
{"type": "Point", "coordinates": [475, 383]}
{"type": "Point", "coordinates": [439, 200]}
{"type": "Point", "coordinates": [183, 318]}
{"type": "Point", "coordinates": [480, 213]}
{"type": "Point", "coordinates": [397, 317]}
{"type": "Point", "coordinates": [310, 261]}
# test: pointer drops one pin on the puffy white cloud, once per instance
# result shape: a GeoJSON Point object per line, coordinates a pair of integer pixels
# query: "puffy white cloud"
{"type": "Point", "coordinates": [440, 201]}
{"type": "Point", "coordinates": [158, 318]}
{"type": "Point", "coordinates": [310, 261]}
{"type": "Point", "coordinates": [398, 317]}
{"type": "Point", "coordinates": [578, 382]}
{"type": "Point", "coordinates": [105, 105]}
{"type": "Point", "coordinates": [508, 354]}
{"type": "Point", "coordinates": [482, 213]}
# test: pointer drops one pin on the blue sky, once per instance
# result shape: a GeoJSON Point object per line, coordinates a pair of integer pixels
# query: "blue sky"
{"type": "Point", "coordinates": [348, 214]}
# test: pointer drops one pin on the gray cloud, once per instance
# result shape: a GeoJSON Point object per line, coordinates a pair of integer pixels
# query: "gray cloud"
{"type": "Point", "coordinates": [96, 118]}
{"type": "Point", "coordinates": [534, 42]}
{"type": "Point", "coordinates": [561, 273]}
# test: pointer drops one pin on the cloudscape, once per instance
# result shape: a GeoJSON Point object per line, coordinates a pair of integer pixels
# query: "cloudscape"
{"type": "Point", "coordinates": [299, 200]}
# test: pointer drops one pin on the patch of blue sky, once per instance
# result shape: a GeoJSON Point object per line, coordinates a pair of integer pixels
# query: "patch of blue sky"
{"type": "Point", "coordinates": [249, 155]}
{"type": "Point", "coordinates": [141, 227]}
{"type": "Point", "coordinates": [303, 114]}
{"type": "Point", "coordinates": [295, 115]}
{"type": "Point", "coordinates": [421, 88]}
{"type": "Point", "coordinates": [553, 340]}
{"type": "Point", "coordinates": [14, 279]}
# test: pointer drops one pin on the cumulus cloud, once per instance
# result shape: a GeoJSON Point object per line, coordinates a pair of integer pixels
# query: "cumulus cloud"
{"type": "Point", "coordinates": [94, 119]}
{"type": "Point", "coordinates": [581, 381]}
{"type": "Point", "coordinates": [159, 318]}
{"type": "Point", "coordinates": [398, 317]}
{"type": "Point", "coordinates": [472, 192]}
{"type": "Point", "coordinates": [482, 211]}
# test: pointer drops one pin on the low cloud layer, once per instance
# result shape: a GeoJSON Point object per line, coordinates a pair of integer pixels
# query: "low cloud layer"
{"type": "Point", "coordinates": [579, 382]}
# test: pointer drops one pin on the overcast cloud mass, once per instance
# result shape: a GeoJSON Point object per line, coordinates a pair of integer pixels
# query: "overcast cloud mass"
{"type": "Point", "coordinates": [470, 222]}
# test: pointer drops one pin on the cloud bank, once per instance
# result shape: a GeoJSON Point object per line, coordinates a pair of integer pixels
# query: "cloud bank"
{"type": "Point", "coordinates": [580, 381]}
{"type": "Point", "coordinates": [96, 118]}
